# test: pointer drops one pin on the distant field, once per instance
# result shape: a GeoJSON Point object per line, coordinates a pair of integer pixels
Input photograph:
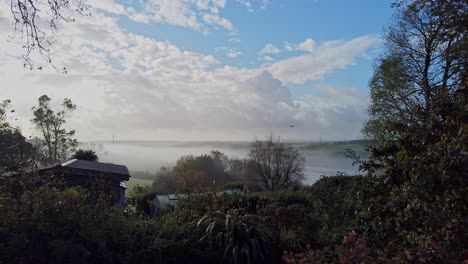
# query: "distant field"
{"type": "Point", "coordinates": [338, 148]}
{"type": "Point", "coordinates": [136, 181]}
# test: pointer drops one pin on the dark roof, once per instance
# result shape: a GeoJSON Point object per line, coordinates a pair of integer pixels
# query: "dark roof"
{"type": "Point", "coordinates": [91, 168]}
{"type": "Point", "coordinates": [96, 166]}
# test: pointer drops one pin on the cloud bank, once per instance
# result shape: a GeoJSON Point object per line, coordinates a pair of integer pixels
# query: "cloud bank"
{"type": "Point", "coordinates": [146, 89]}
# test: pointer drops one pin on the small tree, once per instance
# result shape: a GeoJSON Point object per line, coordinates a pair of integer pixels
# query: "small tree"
{"type": "Point", "coordinates": [85, 154]}
{"type": "Point", "coordinates": [277, 164]}
{"type": "Point", "coordinates": [59, 142]}
{"type": "Point", "coordinates": [192, 181]}
{"type": "Point", "coordinates": [165, 181]}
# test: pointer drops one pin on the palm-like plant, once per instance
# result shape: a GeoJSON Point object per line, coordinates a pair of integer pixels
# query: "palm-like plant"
{"type": "Point", "coordinates": [243, 237]}
{"type": "Point", "coordinates": [85, 154]}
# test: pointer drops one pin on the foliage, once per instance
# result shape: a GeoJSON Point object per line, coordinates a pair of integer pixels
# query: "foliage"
{"type": "Point", "coordinates": [252, 187]}
{"type": "Point", "coordinates": [242, 238]}
{"type": "Point", "coordinates": [351, 250]}
{"type": "Point", "coordinates": [165, 181]}
{"type": "Point", "coordinates": [15, 151]}
{"type": "Point", "coordinates": [410, 208]}
{"type": "Point", "coordinates": [425, 64]}
{"type": "Point", "coordinates": [418, 221]}
{"type": "Point", "coordinates": [85, 154]}
{"type": "Point", "coordinates": [143, 196]}
{"type": "Point", "coordinates": [277, 164]}
{"type": "Point", "coordinates": [4, 109]}
{"type": "Point", "coordinates": [201, 172]}
{"type": "Point", "coordinates": [52, 224]}
{"type": "Point", "coordinates": [415, 211]}
{"type": "Point", "coordinates": [133, 182]}
{"type": "Point", "coordinates": [192, 181]}
{"type": "Point", "coordinates": [333, 203]}
{"type": "Point", "coordinates": [59, 142]}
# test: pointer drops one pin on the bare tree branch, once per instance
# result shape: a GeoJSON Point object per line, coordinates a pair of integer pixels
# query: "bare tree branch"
{"type": "Point", "coordinates": [278, 165]}
{"type": "Point", "coordinates": [31, 18]}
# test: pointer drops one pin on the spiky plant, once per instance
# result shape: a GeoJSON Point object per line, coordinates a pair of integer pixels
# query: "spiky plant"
{"type": "Point", "coordinates": [243, 237]}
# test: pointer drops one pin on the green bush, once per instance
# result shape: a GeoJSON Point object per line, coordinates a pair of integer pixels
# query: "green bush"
{"type": "Point", "coordinates": [239, 237]}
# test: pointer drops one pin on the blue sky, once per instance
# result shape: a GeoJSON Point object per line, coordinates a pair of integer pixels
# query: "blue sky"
{"type": "Point", "coordinates": [280, 22]}
{"type": "Point", "coordinates": [211, 69]}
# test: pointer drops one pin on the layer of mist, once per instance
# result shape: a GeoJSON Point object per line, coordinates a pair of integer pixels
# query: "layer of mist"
{"type": "Point", "coordinates": [152, 155]}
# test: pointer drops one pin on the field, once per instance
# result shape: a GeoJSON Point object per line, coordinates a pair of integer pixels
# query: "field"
{"type": "Point", "coordinates": [335, 147]}
{"type": "Point", "coordinates": [136, 181]}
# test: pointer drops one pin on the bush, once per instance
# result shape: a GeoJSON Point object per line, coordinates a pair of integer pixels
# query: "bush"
{"type": "Point", "coordinates": [251, 187]}
{"type": "Point", "coordinates": [351, 250]}
{"type": "Point", "coordinates": [242, 238]}
{"type": "Point", "coordinates": [57, 225]}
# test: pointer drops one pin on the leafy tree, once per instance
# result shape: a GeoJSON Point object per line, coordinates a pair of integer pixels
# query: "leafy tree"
{"type": "Point", "coordinates": [277, 164]}
{"type": "Point", "coordinates": [191, 181]}
{"type": "Point", "coordinates": [209, 169]}
{"type": "Point", "coordinates": [241, 170]}
{"type": "Point", "coordinates": [165, 181]}
{"type": "Point", "coordinates": [85, 154]}
{"type": "Point", "coordinates": [212, 167]}
{"type": "Point", "coordinates": [425, 63]}
{"type": "Point", "coordinates": [4, 108]}
{"type": "Point", "coordinates": [415, 211]}
{"type": "Point", "coordinates": [59, 141]}
{"type": "Point", "coordinates": [418, 87]}
{"type": "Point", "coordinates": [15, 151]}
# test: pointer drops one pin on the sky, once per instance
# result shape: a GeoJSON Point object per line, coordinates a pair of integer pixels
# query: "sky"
{"type": "Point", "coordinates": [204, 69]}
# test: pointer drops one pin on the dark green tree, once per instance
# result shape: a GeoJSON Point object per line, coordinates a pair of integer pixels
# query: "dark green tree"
{"type": "Point", "coordinates": [85, 154]}
{"type": "Point", "coordinates": [424, 64]}
{"type": "Point", "coordinates": [15, 151]}
{"type": "Point", "coordinates": [415, 210]}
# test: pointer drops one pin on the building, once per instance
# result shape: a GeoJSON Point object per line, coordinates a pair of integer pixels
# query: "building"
{"type": "Point", "coordinates": [162, 202]}
{"type": "Point", "coordinates": [96, 176]}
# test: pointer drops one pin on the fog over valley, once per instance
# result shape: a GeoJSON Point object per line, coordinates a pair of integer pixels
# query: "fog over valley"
{"type": "Point", "coordinates": [152, 155]}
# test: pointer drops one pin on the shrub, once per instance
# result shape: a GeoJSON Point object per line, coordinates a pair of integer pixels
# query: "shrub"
{"type": "Point", "coordinates": [242, 238]}
{"type": "Point", "coordinates": [351, 250]}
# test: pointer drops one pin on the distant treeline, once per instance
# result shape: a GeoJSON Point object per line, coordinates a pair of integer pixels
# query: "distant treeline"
{"type": "Point", "coordinates": [199, 172]}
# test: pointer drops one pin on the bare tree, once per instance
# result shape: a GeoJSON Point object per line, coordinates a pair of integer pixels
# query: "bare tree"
{"type": "Point", "coordinates": [277, 164]}
{"type": "Point", "coordinates": [31, 18]}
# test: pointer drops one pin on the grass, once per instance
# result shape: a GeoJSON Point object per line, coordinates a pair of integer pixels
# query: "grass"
{"type": "Point", "coordinates": [136, 181]}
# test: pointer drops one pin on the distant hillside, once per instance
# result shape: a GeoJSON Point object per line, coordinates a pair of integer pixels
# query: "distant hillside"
{"type": "Point", "coordinates": [338, 147]}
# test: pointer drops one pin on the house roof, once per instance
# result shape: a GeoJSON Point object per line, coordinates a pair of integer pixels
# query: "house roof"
{"type": "Point", "coordinates": [85, 167]}
{"type": "Point", "coordinates": [96, 166]}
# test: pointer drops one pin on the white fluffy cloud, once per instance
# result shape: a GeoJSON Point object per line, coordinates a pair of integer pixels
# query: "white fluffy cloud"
{"type": "Point", "coordinates": [269, 49]}
{"type": "Point", "coordinates": [252, 5]}
{"type": "Point", "coordinates": [199, 15]}
{"type": "Point", "coordinates": [322, 59]}
{"type": "Point", "coordinates": [142, 88]}
{"type": "Point", "coordinates": [230, 52]}
{"type": "Point", "coordinates": [308, 45]}
{"type": "Point", "coordinates": [267, 59]}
